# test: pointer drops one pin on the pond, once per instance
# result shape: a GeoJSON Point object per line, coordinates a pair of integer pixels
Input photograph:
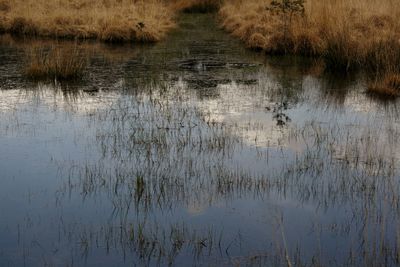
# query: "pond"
{"type": "Point", "coordinates": [195, 151]}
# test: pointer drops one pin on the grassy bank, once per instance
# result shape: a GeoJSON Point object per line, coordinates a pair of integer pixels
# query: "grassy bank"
{"type": "Point", "coordinates": [348, 35]}
{"type": "Point", "coordinates": [105, 20]}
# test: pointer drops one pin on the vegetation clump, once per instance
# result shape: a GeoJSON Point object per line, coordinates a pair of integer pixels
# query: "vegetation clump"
{"type": "Point", "coordinates": [105, 20]}
{"type": "Point", "coordinates": [348, 35]}
{"type": "Point", "coordinates": [389, 86]}
{"type": "Point", "coordinates": [56, 63]}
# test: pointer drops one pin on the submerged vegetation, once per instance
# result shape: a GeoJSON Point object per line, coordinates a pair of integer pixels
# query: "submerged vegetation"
{"type": "Point", "coordinates": [138, 138]}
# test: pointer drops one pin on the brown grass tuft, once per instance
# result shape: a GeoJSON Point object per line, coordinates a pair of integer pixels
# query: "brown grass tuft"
{"type": "Point", "coordinates": [308, 43]}
{"type": "Point", "coordinates": [279, 44]}
{"type": "Point", "coordinates": [257, 41]}
{"type": "Point", "coordinates": [4, 6]}
{"type": "Point", "coordinates": [393, 81]}
{"type": "Point", "coordinates": [22, 26]}
{"type": "Point", "coordinates": [389, 86]}
{"type": "Point", "coordinates": [55, 63]}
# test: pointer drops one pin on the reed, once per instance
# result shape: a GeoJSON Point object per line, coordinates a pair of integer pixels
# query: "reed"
{"type": "Point", "coordinates": [55, 63]}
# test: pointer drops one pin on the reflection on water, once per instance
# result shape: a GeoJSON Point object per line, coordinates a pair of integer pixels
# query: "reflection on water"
{"type": "Point", "coordinates": [194, 151]}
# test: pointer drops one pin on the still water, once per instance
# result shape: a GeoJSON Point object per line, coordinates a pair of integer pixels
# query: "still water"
{"type": "Point", "coordinates": [195, 152]}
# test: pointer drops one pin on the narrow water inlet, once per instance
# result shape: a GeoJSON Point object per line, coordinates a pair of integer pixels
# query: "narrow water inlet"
{"type": "Point", "coordinates": [194, 151]}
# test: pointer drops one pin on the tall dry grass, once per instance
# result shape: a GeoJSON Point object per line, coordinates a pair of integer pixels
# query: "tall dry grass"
{"type": "Point", "coordinates": [347, 33]}
{"type": "Point", "coordinates": [106, 20]}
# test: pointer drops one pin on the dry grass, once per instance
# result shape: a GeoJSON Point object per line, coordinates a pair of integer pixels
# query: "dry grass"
{"type": "Point", "coordinates": [56, 63]}
{"type": "Point", "coordinates": [347, 33]}
{"type": "Point", "coordinates": [105, 20]}
{"type": "Point", "coordinates": [389, 86]}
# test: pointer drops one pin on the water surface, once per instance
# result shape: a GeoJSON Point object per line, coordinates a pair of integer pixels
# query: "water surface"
{"type": "Point", "coordinates": [194, 151]}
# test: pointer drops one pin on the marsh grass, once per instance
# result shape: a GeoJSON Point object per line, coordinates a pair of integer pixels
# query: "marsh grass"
{"type": "Point", "coordinates": [389, 86]}
{"type": "Point", "coordinates": [107, 20]}
{"type": "Point", "coordinates": [348, 35]}
{"type": "Point", "coordinates": [56, 63]}
{"type": "Point", "coordinates": [323, 28]}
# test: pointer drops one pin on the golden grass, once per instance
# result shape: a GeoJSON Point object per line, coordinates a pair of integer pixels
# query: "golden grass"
{"type": "Point", "coordinates": [55, 63]}
{"type": "Point", "coordinates": [347, 33]}
{"type": "Point", "coordinates": [105, 20]}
